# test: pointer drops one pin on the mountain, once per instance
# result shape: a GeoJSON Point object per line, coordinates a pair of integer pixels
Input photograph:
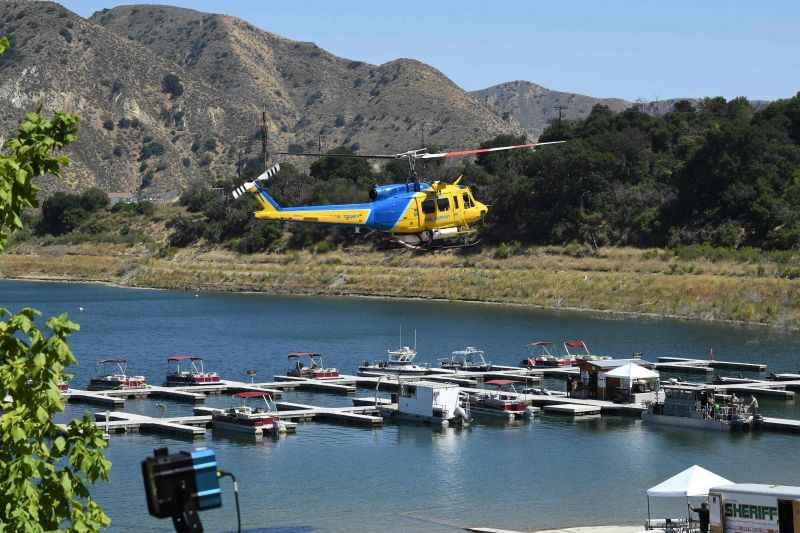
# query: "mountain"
{"type": "Point", "coordinates": [535, 106]}
{"type": "Point", "coordinates": [166, 95]}
{"type": "Point", "coordinates": [307, 91]}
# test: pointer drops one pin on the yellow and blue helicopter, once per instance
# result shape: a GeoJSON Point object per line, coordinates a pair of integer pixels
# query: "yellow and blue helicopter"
{"type": "Point", "coordinates": [415, 214]}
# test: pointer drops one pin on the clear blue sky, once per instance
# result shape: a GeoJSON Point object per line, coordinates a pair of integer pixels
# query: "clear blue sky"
{"type": "Point", "coordinates": [636, 49]}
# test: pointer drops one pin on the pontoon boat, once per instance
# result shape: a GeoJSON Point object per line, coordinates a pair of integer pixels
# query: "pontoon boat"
{"type": "Point", "coordinates": [112, 375]}
{"type": "Point", "coordinates": [195, 374]}
{"type": "Point", "coordinates": [247, 419]}
{"type": "Point", "coordinates": [502, 400]}
{"type": "Point", "coordinates": [313, 369]}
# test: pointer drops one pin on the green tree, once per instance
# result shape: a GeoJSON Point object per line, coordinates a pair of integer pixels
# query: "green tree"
{"type": "Point", "coordinates": [350, 168]}
{"type": "Point", "coordinates": [44, 468]}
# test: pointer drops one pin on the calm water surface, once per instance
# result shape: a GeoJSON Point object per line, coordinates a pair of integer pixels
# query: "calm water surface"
{"type": "Point", "coordinates": [550, 472]}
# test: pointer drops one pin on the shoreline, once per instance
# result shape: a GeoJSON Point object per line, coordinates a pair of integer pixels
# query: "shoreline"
{"type": "Point", "coordinates": [599, 313]}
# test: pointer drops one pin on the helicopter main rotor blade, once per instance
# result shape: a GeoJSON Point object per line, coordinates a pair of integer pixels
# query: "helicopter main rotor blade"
{"type": "Point", "coordinates": [476, 151]}
{"type": "Point", "coordinates": [358, 156]}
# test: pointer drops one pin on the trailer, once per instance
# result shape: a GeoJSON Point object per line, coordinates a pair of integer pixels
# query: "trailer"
{"type": "Point", "coordinates": [754, 508]}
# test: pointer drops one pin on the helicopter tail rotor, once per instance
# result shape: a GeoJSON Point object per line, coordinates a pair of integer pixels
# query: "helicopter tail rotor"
{"type": "Point", "coordinates": [249, 185]}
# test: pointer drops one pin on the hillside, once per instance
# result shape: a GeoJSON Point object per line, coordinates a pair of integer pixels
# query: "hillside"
{"type": "Point", "coordinates": [166, 95]}
{"type": "Point", "coordinates": [534, 106]}
{"type": "Point", "coordinates": [132, 131]}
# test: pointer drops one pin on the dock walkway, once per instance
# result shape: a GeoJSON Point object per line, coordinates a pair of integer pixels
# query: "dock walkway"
{"type": "Point", "coordinates": [355, 415]}
{"type": "Point", "coordinates": [711, 364]}
{"type": "Point", "coordinates": [191, 426]}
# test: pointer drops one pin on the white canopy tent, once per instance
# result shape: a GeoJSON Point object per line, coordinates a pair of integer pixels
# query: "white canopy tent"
{"type": "Point", "coordinates": [625, 377]}
{"type": "Point", "coordinates": [694, 482]}
{"type": "Point", "coordinates": [632, 371]}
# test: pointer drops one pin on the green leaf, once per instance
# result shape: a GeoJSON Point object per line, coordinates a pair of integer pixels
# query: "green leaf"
{"type": "Point", "coordinates": [17, 434]}
{"type": "Point", "coordinates": [41, 415]}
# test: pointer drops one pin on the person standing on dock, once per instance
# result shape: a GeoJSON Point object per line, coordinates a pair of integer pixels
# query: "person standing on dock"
{"type": "Point", "coordinates": [703, 516]}
{"type": "Point", "coordinates": [753, 406]}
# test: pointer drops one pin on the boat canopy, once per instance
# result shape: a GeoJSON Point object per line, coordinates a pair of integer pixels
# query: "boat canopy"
{"type": "Point", "coordinates": [112, 361]}
{"type": "Point", "coordinates": [499, 382]}
{"type": "Point", "coordinates": [252, 394]}
{"type": "Point", "coordinates": [575, 344]}
{"type": "Point", "coordinates": [541, 343]}
{"type": "Point", "coordinates": [293, 355]}
{"type": "Point", "coordinates": [178, 358]}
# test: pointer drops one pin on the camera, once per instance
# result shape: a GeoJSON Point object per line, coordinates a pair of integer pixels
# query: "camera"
{"type": "Point", "coordinates": [180, 484]}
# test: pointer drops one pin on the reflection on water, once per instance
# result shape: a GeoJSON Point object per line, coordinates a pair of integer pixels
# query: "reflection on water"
{"type": "Point", "coordinates": [546, 472]}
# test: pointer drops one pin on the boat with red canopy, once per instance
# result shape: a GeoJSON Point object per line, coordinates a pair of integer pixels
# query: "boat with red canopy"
{"type": "Point", "coordinates": [312, 368]}
{"type": "Point", "coordinates": [247, 419]}
{"type": "Point", "coordinates": [501, 400]}
{"type": "Point", "coordinates": [112, 375]}
{"type": "Point", "coordinates": [541, 356]}
{"type": "Point", "coordinates": [189, 370]}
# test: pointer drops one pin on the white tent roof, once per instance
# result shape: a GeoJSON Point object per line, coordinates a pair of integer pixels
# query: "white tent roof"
{"type": "Point", "coordinates": [694, 481]}
{"type": "Point", "coordinates": [632, 371]}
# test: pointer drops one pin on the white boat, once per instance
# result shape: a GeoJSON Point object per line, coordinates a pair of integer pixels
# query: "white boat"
{"type": "Point", "coordinates": [470, 359]}
{"type": "Point", "coordinates": [428, 402]}
{"type": "Point", "coordinates": [398, 363]}
{"type": "Point", "coordinates": [247, 419]}
{"type": "Point", "coordinates": [112, 375]}
{"type": "Point", "coordinates": [503, 400]}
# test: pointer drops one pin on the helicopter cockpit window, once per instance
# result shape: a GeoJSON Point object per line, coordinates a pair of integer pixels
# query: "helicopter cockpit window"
{"type": "Point", "coordinates": [428, 206]}
{"type": "Point", "coordinates": [467, 201]}
{"type": "Point", "coordinates": [443, 203]}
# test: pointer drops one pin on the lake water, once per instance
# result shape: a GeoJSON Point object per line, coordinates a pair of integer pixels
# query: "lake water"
{"type": "Point", "coordinates": [546, 473]}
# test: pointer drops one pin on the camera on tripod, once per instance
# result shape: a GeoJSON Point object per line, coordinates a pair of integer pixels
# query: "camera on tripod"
{"type": "Point", "coordinates": [180, 484]}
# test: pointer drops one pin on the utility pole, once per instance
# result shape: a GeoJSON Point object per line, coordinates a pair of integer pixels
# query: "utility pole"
{"type": "Point", "coordinates": [264, 138]}
{"type": "Point", "coordinates": [559, 108]}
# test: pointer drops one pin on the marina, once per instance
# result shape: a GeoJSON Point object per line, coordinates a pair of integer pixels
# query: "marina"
{"type": "Point", "coordinates": [460, 458]}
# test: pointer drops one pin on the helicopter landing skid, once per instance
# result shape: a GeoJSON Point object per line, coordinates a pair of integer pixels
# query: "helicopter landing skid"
{"type": "Point", "coordinates": [435, 245]}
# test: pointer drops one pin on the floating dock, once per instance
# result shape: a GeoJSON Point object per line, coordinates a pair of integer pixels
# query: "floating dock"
{"type": "Point", "coordinates": [784, 390]}
{"type": "Point", "coordinates": [92, 397]}
{"type": "Point", "coordinates": [711, 363]}
{"type": "Point", "coordinates": [355, 416]}
{"type": "Point", "coordinates": [333, 385]}
{"type": "Point", "coordinates": [185, 426]}
{"type": "Point", "coordinates": [572, 409]}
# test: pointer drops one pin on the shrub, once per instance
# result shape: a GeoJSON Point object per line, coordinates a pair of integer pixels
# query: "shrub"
{"type": "Point", "coordinates": [185, 231]}
{"type": "Point", "coordinates": [151, 149]}
{"type": "Point", "coordinates": [507, 249]}
{"type": "Point", "coordinates": [109, 125]}
{"type": "Point", "coordinates": [324, 247]}
{"type": "Point", "coordinates": [172, 84]}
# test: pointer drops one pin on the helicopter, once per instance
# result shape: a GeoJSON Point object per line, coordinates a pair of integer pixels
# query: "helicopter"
{"type": "Point", "coordinates": [415, 214]}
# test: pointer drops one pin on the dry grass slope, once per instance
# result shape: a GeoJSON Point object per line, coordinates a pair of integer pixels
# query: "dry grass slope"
{"type": "Point", "coordinates": [617, 280]}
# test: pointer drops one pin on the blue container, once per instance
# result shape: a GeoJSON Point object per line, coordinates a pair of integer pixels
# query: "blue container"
{"type": "Point", "coordinates": [208, 495]}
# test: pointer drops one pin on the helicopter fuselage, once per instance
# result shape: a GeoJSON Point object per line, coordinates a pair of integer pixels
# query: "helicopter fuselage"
{"type": "Point", "coordinates": [437, 210]}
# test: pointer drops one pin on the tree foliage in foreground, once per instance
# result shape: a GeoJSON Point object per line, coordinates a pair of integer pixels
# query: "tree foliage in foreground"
{"type": "Point", "coordinates": [44, 468]}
